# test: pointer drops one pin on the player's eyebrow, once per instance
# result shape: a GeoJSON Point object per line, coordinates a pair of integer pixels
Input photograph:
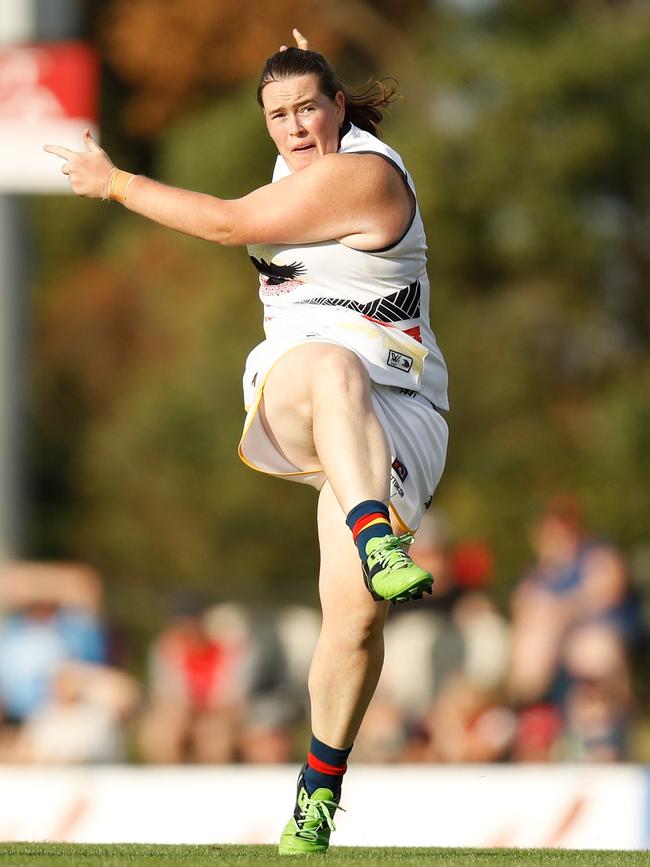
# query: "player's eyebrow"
{"type": "Point", "coordinates": [297, 104]}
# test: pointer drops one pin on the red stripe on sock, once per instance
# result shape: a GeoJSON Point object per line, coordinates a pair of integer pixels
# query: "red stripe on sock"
{"type": "Point", "coordinates": [323, 768]}
{"type": "Point", "coordinates": [365, 520]}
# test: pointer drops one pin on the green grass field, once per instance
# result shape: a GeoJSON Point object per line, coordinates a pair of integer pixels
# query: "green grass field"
{"type": "Point", "coordinates": [71, 855]}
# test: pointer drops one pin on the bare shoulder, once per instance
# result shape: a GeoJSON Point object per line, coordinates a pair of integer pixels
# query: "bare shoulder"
{"type": "Point", "coordinates": [367, 179]}
{"type": "Point", "coordinates": [374, 188]}
{"type": "Point", "coordinates": [366, 168]}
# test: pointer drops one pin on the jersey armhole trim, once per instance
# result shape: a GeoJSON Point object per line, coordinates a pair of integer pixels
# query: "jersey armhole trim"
{"type": "Point", "coordinates": [411, 194]}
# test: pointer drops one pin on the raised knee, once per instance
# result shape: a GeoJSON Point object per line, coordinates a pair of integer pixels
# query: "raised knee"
{"type": "Point", "coordinates": [340, 371]}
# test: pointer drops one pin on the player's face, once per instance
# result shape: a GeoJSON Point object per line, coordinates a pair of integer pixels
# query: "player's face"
{"type": "Point", "coordinates": [303, 122]}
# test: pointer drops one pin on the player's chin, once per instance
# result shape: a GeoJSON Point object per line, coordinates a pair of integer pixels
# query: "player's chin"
{"type": "Point", "coordinates": [301, 159]}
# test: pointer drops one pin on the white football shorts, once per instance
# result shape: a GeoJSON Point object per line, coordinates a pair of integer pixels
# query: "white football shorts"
{"type": "Point", "coordinates": [416, 432]}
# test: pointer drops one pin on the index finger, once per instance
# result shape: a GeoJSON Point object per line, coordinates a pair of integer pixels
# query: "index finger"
{"type": "Point", "coordinates": [59, 151]}
{"type": "Point", "coordinates": [301, 41]}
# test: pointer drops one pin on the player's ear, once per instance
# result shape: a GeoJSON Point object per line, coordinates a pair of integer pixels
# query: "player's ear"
{"type": "Point", "coordinates": [339, 102]}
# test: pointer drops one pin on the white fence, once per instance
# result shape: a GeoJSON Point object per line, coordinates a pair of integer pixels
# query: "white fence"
{"type": "Point", "coordinates": [597, 807]}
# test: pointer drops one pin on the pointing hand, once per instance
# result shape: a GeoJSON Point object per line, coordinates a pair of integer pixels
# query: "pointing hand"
{"type": "Point", "coordinates": [88, 171]}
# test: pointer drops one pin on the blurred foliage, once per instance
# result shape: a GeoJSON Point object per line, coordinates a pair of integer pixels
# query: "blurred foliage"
{"type": "Point", "coordinates": [526, 128]}
{"type": "Point", "coordinates": [199, 48]}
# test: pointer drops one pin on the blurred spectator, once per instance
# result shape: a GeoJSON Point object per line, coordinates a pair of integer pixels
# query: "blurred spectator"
{"type": "Point", "coordinates": [284, 642]}
{"type": "Point", "coordinates": [466, 724]}
{"type": "Point", "coordinates": [574, 622]}
{"type": "Point", "coordinates": [277, 672]}
{"type": "Point", "coordinates": [227, 684]}
{"type": "Point", "coordinates": [50, 615]}
{"type": "Point", "coordinates": [83, 720]}
{"type": "Point", "coordinates": [298, 628]}
{"type": "Point", "coordinates": [598, 699]}
{"type": "Point", "coordinates": [266, 736]}
{"type": "Point", "coordinates": [484, 630]}
{"type": "Point", "coordinates": [61, 702]}
{"type": "Point", "coordinates": [198, 680]}
{"type": "Point", "coordinates": [384, 735]}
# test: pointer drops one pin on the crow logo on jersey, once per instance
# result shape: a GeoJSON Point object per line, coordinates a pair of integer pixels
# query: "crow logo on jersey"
{"type": "Point", "coordinates": [277, 274]}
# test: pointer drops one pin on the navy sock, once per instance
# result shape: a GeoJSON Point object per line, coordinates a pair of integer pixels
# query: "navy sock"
{"type": "Point", "coordinates": [325, 767]}
{"type": "Point", "coordinates": [368, 520]}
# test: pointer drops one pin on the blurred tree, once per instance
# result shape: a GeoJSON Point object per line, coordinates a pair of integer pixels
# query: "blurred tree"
{"type": "Point", "coordinates": [196, 48]}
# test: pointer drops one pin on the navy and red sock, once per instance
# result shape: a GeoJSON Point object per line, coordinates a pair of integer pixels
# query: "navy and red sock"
{"type": "Point", "coordinates": [368, 520]}
{"type": "Point", "coordinates": [325, 767]}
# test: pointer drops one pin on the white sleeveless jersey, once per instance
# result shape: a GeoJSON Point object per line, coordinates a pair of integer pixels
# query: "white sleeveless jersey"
{"type": "Point", "coordinates": [375, 303]}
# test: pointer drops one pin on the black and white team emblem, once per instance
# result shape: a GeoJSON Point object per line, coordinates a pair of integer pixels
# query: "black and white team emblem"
{"type": "Point", "coordinates": [399, 361]}
{"type": "Point", "coordinates": [278, 274]}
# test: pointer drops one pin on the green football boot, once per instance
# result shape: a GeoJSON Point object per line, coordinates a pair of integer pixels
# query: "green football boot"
{"type": "Point", "coordinates": [389, 572]}
{"type": "Point", "coordinates": [308, 831]}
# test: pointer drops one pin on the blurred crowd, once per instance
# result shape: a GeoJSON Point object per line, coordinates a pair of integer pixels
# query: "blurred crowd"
{"type": "Point", "coordinates": [551, 679]}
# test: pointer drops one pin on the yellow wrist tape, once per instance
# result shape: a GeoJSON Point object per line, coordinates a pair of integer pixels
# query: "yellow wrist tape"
{"type": "Point", "coordinates": [118, 185]}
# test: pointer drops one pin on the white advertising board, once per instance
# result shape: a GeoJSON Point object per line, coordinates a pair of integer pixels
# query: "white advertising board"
{"type": "Point", "coordinates": [48, 95]}
{"type": "Point", "coordinates": [598, 807]}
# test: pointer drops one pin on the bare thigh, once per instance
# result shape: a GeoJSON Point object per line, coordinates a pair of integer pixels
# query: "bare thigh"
{"type": "Point", "coordinates": [305, 375]}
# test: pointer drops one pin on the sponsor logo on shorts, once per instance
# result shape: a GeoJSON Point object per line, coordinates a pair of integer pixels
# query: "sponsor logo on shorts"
{"type": "Point", "coordinates": [408, 392]}
{"type": "Point", "coordinates": [400, 469]}
{"type": "Point", "coordinates": [428, 502]}
{"type": "Point", "coordinates": [396, 486]}
{"type": "Point", "coordinates": [399, 361]}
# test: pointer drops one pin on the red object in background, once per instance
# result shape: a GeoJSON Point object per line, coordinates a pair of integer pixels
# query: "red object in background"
{"type": "Point", "coordinates": [46, 81]}
{"type": "Point", "coordinates": [538, 729]}
{"type": "Point", "coordinates": [473, 564]}
{"type": "Point", "coordinates": [202, 664]}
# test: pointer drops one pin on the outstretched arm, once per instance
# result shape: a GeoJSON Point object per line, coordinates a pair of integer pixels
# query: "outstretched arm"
{"type": "Point", "coordinates": [356, 198]}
